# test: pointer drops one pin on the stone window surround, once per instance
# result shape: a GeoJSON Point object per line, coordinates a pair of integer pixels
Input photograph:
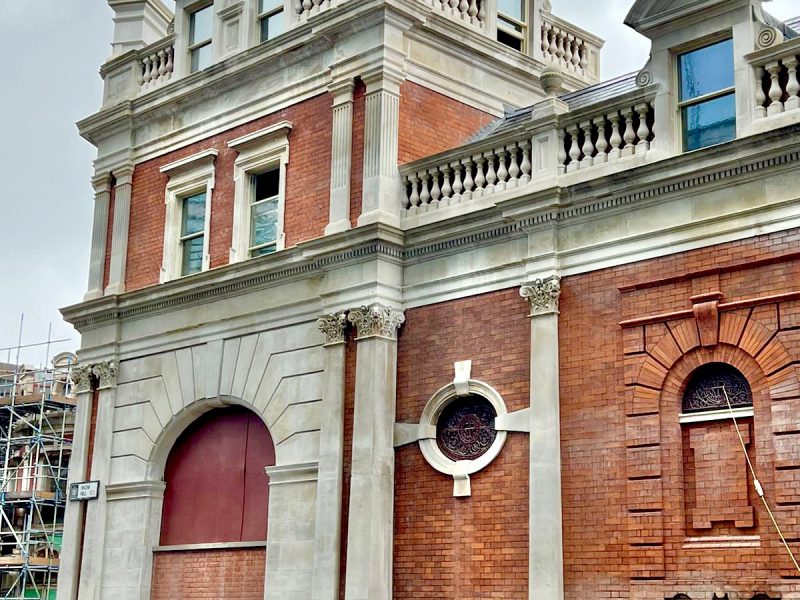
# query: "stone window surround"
{"type": "Point", "coordinates": [191, 175]}
{"type": "Point", "coordinates": [459, 470]}
{"type": "Point", "coordinates": [258, 151]}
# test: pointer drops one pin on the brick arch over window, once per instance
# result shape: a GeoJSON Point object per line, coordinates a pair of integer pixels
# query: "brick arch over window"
{"type": "Point", "coordinates": [661, 356]}
{"type": "Point", "coordinates": [217, 489]}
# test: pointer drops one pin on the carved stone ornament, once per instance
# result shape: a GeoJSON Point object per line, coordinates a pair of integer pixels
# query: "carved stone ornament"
{"type": "Point", "coordinates": [542, 294]}
{"type": "Point", "coordinates": [82, 376]}
{"type": "Point", "coordinates": [376, 321]}
{"type": "Point", "coordinates": [333, 327]}
{"type": "Point", "coordinates": [547, 6]}
{"type": "Point", "coordinates": [768, 37]}
{"type": "Point", "coordinates": [106, 373]}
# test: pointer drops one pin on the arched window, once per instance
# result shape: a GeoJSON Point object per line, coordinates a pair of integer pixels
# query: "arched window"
{"type": "Point", "coordinates": [712, 386]}
{"type": "Point", "coordinates": [217, 489]}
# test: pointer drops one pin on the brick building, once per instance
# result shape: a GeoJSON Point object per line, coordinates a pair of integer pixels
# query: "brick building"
{"type": "Point", "coordinates": [394, 299]}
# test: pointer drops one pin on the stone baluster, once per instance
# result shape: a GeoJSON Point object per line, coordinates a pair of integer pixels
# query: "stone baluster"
{"type": "Point", "coordinates": [513, 169]}
{"type": "Point", "coordinates": [602, 142]}
{"type": "Point", "coordinates": [525, 166]}
{"type": "Point", "coordinates": [170, 62]}
{"type": "Point", "coordinates": [458, 187]}
{"type": "Point", "coordinates": [574, 55]}
{"type": "Point", "coordinates": [574, 148]}
{"type": "Point", "coordinates": [414, 199]}
{"type": "Point", "coordinates": [481, 11]}
{"type": "Point", "coordinates": [469, 182]}
{"type": "Point", "coordinates": [425, 194]}
{"type": "Point", "coordinates": [761, 97]}
{"type": "Point", "coordinates": [630, 135]}
{"type": "Point", "coordinates": [616, 138]}
{"type": "Point", "coordinates": [545, 38]}
{"type": "Point", "coordinates": [502, 170]}
{"type": "Point", "coordinates": [447, 189]}
{"type": "Point", "coordinates": [162, 63]}
{"type": "Point", "coordinates": [588, 145]}
{"type": "Point", "coordinates": [560, 50]}
{"type": "Point", "coordinates": [146, 72]}
{"type": "Point", "coordinates": [643, 132]}
{"type": "Point", "coordinates": [584, 62]}
{"type": "Point", "coordinates": [491, 174]}
{"type": "Point", "coordinates": [463, 8]}
{"type": "Point", "coordinates": [307, 6]}
{"type": "Point", "coordinates": [408, 187]}
{"type": "Point", "coordinates": [480, 178]}
{"type": "Point", "coordinates": [436, 191]}
{"type": "Point", "coordinates": [553, 43]}
{"type": "Point", "coordinates": [775, 92]}
{"type": "Point", "coordinates": [473, 12]}
{"type": "Point", "coordinates": [793, 84]}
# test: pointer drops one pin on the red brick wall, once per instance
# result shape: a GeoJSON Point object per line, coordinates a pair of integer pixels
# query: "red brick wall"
{"type": "Point", "coordinates": [109, 235]}
{"type": "Point", "coordinates": [609, 552]}
{"type": "Point", "coordinates": [431, 122]}
{"type": "Point", "coordinates": [349, 406]}
{"type": "Point", "coordinates": [476, 547]}
{"type": "Point", "coordinates": [357, 164]}
{"type": "Point", "coordinates": [236, 574]}
{"type": "Point", "coordinates": [307, 187]}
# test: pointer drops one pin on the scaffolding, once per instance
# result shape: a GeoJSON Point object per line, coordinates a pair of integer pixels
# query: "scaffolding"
{"type": "Point", "coordinates": [37, 419]}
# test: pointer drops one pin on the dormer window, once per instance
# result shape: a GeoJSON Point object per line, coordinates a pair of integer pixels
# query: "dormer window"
{"type": "Point", "coordinates": [201, 23]}
{"type": "Point", "coordinates": [706, 95]}
{"type": "Point", "coordinates": [270, 18]}
{"type": "Point", "coordinates": [512, 22]}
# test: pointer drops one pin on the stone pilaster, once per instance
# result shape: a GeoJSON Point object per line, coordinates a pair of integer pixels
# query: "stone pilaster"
{"type": "Point", "coordinates": [104, 373]}
{"type": "Point", "coordinates": [341, 157]}
{"type": "Point", "coordinates": [546, 556]}
{"type": "Point", "coordinates": [380, 193]}
{"type": "Point", "coordinates": [119, 239]}
{"type": "Point", "coordinates": [371, 512]}
{"type": "Point", "coordinates": [327, 537]}
{"type": "Point", "coordinates": [97, 261]}
{"type": "Point", "coordinates": [75, 513]}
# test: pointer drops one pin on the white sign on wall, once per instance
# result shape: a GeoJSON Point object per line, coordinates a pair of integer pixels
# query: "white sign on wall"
{"type": "Point", "coordinates": [85, 490]}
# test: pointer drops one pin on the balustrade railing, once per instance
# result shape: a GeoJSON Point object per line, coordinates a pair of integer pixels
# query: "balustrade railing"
{"type": "Point", "coordinates": [611, 134]}
{"type": "Point", "coordinates": [566, 47]}
{"type": "Point", "coordinates": [514, 159]}
{"type": "Point", "coordinates": [156, 63]}
{"type": "Point", "coordinates": [469, 12]}
{"type": "Point", "coordinates": [778, 83]}
{"type": "Point", "coordinates": [503, 167]}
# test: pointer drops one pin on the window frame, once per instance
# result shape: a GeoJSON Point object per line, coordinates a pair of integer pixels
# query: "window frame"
{"type": "Point", "coordinates": [187, 177]}
{"type": "Point", "coordinates": [184, 237]}
{"type": "Point", "coordinates": [262, 15]}
{"type": "Point", "coordinates": [522, 36]}
{"type": "Point", "coordinates": [696, 101]}
{"type": "Point", "coordinates": [259, 152]}
{"type": "Point", "coordinates": [193, 46]}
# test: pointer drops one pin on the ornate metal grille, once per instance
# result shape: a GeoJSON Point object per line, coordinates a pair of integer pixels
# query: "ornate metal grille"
{"type": "Point", "coordinates": [704, 391]}
{"type": "Point", "coordinates": [465, 429]}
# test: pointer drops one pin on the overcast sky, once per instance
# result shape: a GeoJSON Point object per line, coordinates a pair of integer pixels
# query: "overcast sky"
{"type": "Point", "coordinates": [53, 51]}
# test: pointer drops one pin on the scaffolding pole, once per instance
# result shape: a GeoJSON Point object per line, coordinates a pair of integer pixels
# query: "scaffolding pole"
{"type": "Point", "coordinates": [37, 418]}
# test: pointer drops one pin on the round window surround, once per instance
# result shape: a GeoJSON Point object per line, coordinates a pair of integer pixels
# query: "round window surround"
{"type": "Point", "coordinates": [473, 434]}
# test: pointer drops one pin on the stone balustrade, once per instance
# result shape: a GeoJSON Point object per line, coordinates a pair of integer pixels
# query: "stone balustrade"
{"type": "Point", "coordinates": [568, 48]}
{"type": "Point", "coordinates": [607, 135]}
{"type": "Point", "coordinates": [156, 63]}
{"type": "Point", "coordinates": [777, 86]}
{"type": "Point", "coordinates": [485, 172]}
{"type": "Point", "coordinates": [470, 12]}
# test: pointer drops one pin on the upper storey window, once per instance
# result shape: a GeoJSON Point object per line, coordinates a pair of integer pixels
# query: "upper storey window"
{"type": "Point", "coordinates": [707, 98]}
{"type": "Point", "coordinates": [264, 212]}
{"type": "Point", "coordinates": [193, 224]}
{"type": "Point", "coordinates": [512, 22]}
{"type": "Point", "coordinates": [201, 24]}
{"type": "Point", "coordinates": [270, 18]}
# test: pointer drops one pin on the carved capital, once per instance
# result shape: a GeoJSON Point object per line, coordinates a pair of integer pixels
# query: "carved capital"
{"type": "Point", "coordinates": [106, 373]}
{"type": "Point", "coordinates": [376, 321]}
{"type": "Point", "coordinates": [333, 327]}
{"type": "Point", "coordinates": [82, 376]}
{"type": "Point", "coordinates": [542, 294]}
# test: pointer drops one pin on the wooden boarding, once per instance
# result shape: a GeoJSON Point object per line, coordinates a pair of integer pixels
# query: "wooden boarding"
{"type": "Point", "coordinates": [37, 398]}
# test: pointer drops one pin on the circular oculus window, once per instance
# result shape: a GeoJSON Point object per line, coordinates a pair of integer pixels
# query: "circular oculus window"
{"type": "Point", "coordinates": [465, 430]}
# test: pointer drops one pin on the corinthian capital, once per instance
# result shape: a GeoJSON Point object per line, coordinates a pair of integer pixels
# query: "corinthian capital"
{"type": "Point", "coordinates": [542, 294]}
{"type": "Point", "coordinates": [106, 373]}
{"type": "Point", "coordinates": [333, 327]}
{"type": "Point", "coordinates": [82, 376]}
{"type": "Point", "coordinates": [376, 321]}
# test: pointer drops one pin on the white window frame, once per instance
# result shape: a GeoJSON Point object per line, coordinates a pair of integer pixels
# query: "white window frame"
{"type": "Point", "coordinates": [196, 45]}
{"type": "Point", "coordinates": [258, 152]}
{"type": "Point", "coordinates": [191, 175]}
